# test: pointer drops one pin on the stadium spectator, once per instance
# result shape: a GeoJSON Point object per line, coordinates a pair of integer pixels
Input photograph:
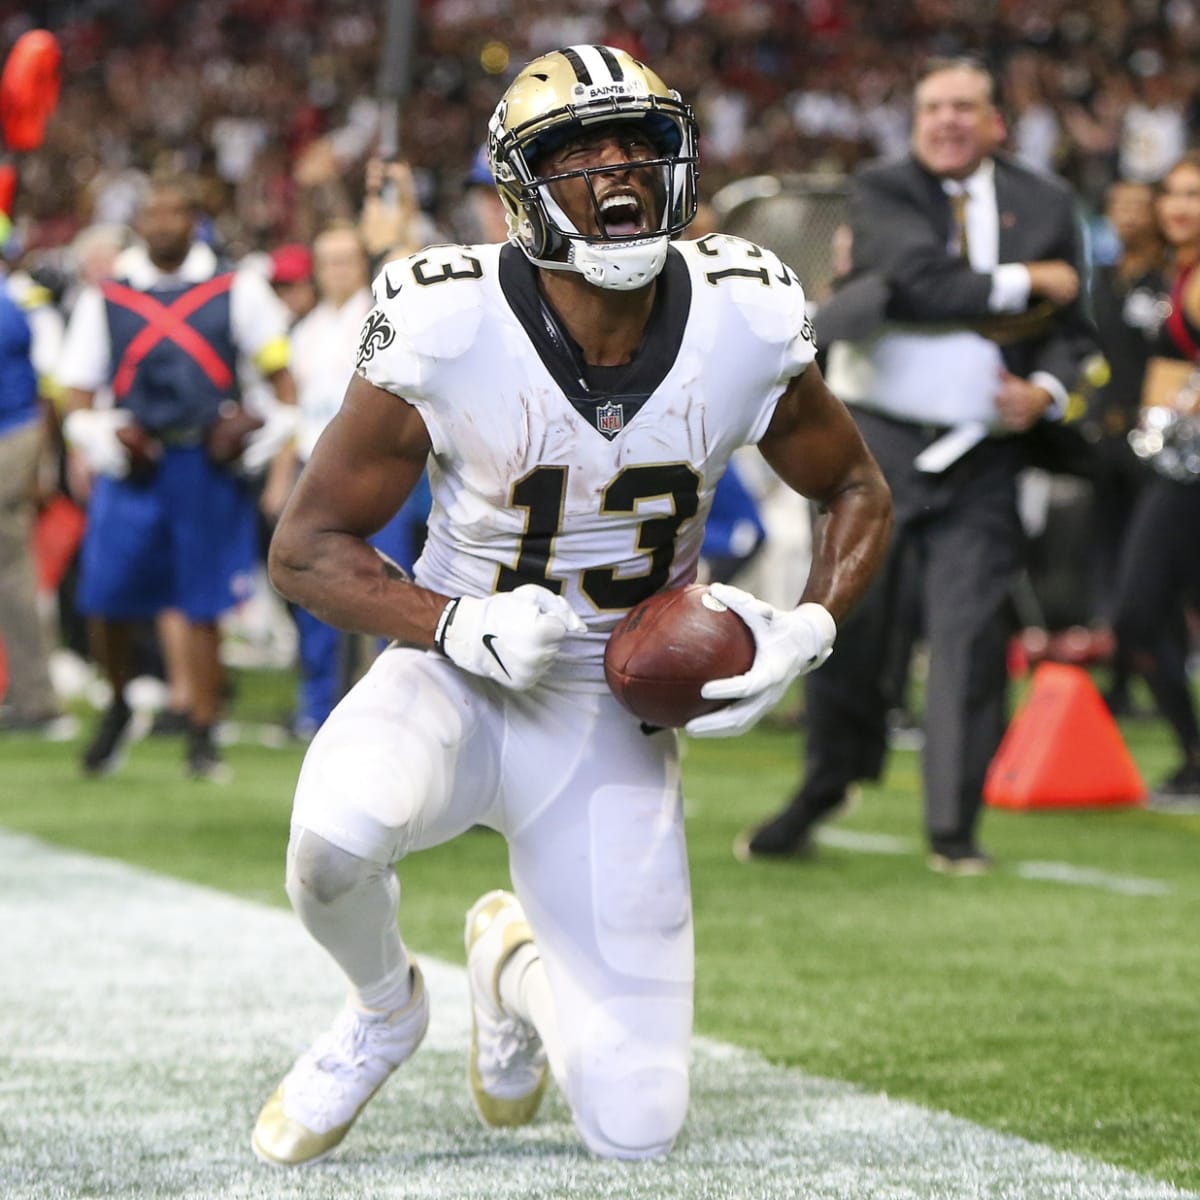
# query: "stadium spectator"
{"type": "Point", "coordinates": [1154, 129]}
{"type": "Point", "coordinates": [1160, 568]}
{"type": "Point", "coordinates": [485, 218]}
{"type": "Point", "coordinates": [290, 270]}
{"type": "Point", "coordinates": [275, 109]}
{"type": "Point", "coordinates": [323, 343]}
{"type": "Point", "coordinates": [323, 351]}
{"type": "Point", "coordinates": [30, 702]}
{"type": "Point", "coordinates": [391, 222]}
{"type": "Point", "coordinates": [1129, 300]}
{"type": "Point", "coordinates": [170, 525]}
{"type": "Point", "coordinates": [959, 332]}
{"type": "Point", "coordinates": [581, 392]}
{"type": "Point", "coordinates": [1036, 133]}
{"type": "Point", "coordinates": [93, 253]}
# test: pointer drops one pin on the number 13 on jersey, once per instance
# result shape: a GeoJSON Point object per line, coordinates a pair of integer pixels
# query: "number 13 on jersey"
{"type": "Point", "coordinates": [542, 494]}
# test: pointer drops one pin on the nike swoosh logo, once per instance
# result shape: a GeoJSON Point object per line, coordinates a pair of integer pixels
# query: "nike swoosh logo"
{"type": "Point", "coordinates": [488, 639]}
{"type": "Point", "coordinates": [392, 292]}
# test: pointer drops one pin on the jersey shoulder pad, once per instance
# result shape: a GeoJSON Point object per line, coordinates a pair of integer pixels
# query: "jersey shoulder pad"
{"type": "Point", "coordinates": [428, 309]}
{"type": "Point", "coordinates": [437, 291]}
{"type": "Point", "coordinates": [747, 278]}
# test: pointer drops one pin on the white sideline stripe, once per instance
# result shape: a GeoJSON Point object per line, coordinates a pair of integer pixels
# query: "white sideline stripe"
{"type": "Point", "coordinates": [143, 1021]}
{"type": "Point", "coordinates": [863, 842]}
{"type": "Point", "coordinates": [1068, 873]}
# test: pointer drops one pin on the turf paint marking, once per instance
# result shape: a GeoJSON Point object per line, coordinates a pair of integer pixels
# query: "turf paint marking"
{"type": "Point", "coordinates": [865, 843]}
{"type": "Point", "coordinates": [143, 1021]}
{"type": "Point", "coordinates": [862, 842]}
{"type": "Point", "coordinates": [1126, 885]}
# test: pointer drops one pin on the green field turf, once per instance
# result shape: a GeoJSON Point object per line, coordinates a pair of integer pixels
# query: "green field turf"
{"type": "Point", "coordinates": [1066, 1012]}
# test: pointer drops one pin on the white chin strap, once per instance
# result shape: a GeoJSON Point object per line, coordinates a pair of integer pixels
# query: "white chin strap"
{"type": "Point", "coordinates": [617, 266]}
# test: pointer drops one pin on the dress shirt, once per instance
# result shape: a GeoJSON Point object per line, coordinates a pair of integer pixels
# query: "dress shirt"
{"type": "Point", "coordinates": [1010, 281]}
{"type": "Point", "coordinates": [891, 371]}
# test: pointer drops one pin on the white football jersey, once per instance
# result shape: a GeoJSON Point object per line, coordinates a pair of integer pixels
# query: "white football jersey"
{"type": "Point", "coordinates": [594, 482]}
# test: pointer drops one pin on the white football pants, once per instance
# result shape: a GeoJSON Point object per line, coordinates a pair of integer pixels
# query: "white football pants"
{"type": "Point", "coordinates": [420, 751]}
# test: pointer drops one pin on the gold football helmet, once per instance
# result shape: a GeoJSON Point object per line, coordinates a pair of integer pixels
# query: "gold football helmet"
{"type": "Point", "coordinates": [550, 102]}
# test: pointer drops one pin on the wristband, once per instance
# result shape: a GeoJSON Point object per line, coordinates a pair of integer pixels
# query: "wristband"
{"type": "Point", "coordinates": [443, 625]}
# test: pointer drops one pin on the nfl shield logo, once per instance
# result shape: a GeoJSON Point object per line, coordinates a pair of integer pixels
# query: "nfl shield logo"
{"type": "Point", "coordinates": [610, 418]}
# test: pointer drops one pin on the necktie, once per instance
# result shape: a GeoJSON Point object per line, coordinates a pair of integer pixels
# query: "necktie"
{"type": "Point", "coordinates": [958, 208]}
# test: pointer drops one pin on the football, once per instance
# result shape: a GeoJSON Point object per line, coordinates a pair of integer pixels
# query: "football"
{"type": "Point", "coordinates": [667, 648]}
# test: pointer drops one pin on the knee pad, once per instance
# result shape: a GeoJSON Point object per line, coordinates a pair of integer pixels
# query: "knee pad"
{"type": "Point", "coordinates": [638, 1115]}
{"type": "Point", "coordinates": [320, 871]}
{"type": "Point", "coordinates": [642, 903]}
{"type": "Point", "coordinates": [630, 1086]}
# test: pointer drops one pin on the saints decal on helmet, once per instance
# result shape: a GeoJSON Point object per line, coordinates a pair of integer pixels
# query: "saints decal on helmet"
{"type": "Point", "coordinates": [559, 97]}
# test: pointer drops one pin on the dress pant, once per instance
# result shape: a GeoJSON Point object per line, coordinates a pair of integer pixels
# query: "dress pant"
{"type": "Point", "coordinates": [958, 541]}
{"type": "Point", "coordinates": [30, 691]}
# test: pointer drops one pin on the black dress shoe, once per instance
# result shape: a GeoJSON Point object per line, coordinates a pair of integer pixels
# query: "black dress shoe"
{"type": "Point", "coordinates": [952, 857]}
{"type": "Point", "coordinates": [789, 833]}
{"type": "Point", "coordinates": [786, 835]}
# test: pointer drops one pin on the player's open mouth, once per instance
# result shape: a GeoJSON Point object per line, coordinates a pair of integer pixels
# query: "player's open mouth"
{"type": "Point", "coordinates": [621, 215]}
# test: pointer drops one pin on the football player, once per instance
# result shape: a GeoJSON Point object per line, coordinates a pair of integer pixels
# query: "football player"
{"type": "Point", "coordinates": [578, 392]}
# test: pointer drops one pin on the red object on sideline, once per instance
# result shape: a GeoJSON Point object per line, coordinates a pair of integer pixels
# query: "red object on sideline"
{"type": "Point", "coordinates": [29, 86]}
{"type": "Point", "coordinates": [1063, 749]}
{"type": "Point", "coordinates": [56, 537]}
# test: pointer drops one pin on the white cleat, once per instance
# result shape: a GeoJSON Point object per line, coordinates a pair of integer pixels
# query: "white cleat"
{"type": "Point", "coordinates": [507, 1068]}
{"type": "Point", "coordinates": [329, 1085]}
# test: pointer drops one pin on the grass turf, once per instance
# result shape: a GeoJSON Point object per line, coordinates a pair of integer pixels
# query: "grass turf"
{"type": "Point", "coordinates": [1067, 1015]}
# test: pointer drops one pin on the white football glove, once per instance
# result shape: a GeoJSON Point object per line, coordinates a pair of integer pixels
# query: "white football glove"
{"type": "Point", "coordinates": [511, 637]}
{"type": "Point", "coordinates": [788, 643]}
{"type": "Point", "coordinates": [93, 432]}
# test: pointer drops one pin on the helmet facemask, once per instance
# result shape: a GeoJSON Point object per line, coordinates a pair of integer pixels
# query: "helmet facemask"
{"type": "Point", "coordinates": [618, 256]}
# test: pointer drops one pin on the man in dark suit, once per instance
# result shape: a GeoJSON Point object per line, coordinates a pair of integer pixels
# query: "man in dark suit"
{"type": "Point", "coordinates": [957, 333]}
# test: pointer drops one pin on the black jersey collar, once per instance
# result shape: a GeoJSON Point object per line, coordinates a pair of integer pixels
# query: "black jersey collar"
{"type": "Point", "coordinates": [608, 398]}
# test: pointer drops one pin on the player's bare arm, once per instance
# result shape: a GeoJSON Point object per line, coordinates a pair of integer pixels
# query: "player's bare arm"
{"type": "Point", "coordinates": [816, 449]}
{"type": "Point", "coordinates": [364, 466]}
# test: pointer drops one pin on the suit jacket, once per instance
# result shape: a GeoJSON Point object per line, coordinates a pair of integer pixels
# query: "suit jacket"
{"type": "Point", "coordinates": [901, 270]}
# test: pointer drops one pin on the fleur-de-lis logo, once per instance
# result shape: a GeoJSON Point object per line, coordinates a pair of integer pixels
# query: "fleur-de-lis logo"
{"type": "Point", "coordinates": [377, 334]}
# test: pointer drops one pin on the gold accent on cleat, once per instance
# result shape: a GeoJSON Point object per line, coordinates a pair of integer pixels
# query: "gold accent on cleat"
{"type": "Point", "coordinates": [291, 1145]}
{"type": "Point", "coordinates": [282, 1141]}
{"type": "Point", "coordinates": [515, 936]}
{"type": "Point", "coordinates": [498, 1111]}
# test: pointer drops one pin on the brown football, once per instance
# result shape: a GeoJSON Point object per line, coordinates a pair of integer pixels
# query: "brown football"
{"type": "Point", "coordinates": [667, 648]}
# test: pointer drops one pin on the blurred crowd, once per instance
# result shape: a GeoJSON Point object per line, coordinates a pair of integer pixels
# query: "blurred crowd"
{"type": "Point", "coordinates": [274, 112]}
{"type": "Point", "coordinates": [272, 104]}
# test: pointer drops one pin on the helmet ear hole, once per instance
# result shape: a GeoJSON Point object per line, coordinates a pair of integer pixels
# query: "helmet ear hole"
{"type": "Point", "coordinates": [534, 232]}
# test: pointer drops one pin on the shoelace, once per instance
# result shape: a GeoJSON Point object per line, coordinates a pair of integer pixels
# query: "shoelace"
{"type": "Point", "coordinates": [327, 1082]}
{"type": "Point", "coordinates": [512, 1045]}
{"type": "Point", "coordinates": [341, 1050]}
